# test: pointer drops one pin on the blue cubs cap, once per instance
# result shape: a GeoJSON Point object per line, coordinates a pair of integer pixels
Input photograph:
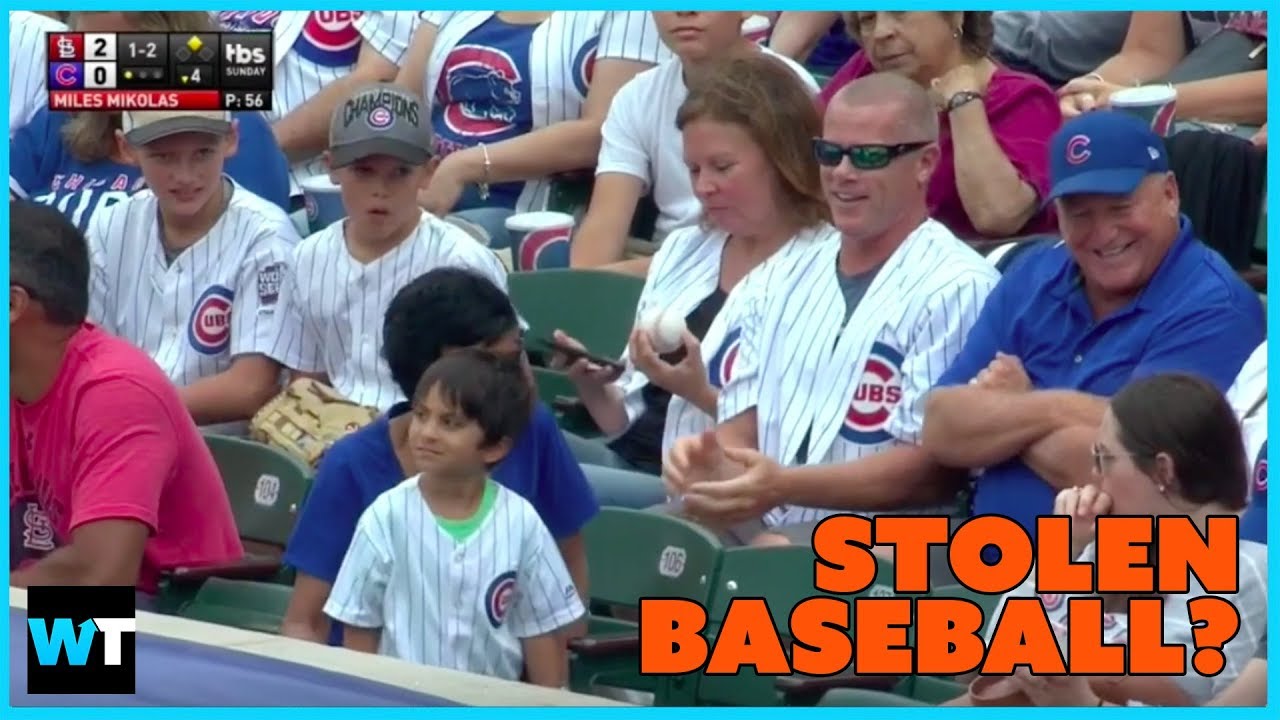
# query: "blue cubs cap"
{"type": "Point", "coordinates": [1103, 152]}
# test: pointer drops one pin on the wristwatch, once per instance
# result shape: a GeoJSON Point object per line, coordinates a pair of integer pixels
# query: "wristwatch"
{"type": "Point", "coordinates": [964, 97]}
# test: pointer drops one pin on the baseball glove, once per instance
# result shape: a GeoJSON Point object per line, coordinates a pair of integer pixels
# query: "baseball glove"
{"type": "Point", "coordinates": [306, 419]}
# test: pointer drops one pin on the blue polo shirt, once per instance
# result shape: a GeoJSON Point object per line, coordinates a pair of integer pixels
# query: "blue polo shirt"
{"type": "Point", "coordinates": [1196, 315]}
{"type": "Point", "coordinates": [363, 465]}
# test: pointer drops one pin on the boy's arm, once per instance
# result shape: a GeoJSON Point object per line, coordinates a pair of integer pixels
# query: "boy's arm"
{"type": "Point", "coordinates": [545, 661]}
{"type": "Point", "coordinates": [360, 590]}
{"type": "Point", "coordinates": [362, 639]}
{"type": "Point", "coordinates": [547, 604]}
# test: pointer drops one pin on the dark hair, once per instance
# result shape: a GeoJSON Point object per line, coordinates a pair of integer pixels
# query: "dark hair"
{"type": "Point", "coordinates": [445, 308]}
{"type": "Point", "coordinates": [1188, 419]}
{"type": "Point", "coordinates": [490, 390]}
{"type": "Point", "coordinates": [763, 96]}
{"type": "Point", "coordinates": [49, 258]}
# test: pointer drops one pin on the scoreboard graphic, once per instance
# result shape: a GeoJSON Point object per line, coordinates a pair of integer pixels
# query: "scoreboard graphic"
{"type": "Point", "coordinates": [160, 71]}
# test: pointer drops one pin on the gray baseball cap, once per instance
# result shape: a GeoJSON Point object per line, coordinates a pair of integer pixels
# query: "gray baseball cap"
{"type": "Point", "coordinates": [142, 127]}
{"type": "Point", "coordinates": [380, 119]}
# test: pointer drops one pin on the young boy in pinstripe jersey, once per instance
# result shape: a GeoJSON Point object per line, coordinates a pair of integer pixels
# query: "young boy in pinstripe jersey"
{"type": "Point", "coordinates": [450, 568]}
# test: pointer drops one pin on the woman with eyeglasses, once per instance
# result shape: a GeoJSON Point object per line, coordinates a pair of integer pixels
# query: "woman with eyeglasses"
{"type": "Point", "coordinates": [746, 127]}
{"type": "Point", "coordinates": [1168, 445]}
{"type": "Point", "coordinates": [995, 122]}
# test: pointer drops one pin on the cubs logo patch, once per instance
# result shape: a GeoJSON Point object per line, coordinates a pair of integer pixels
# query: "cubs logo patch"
{"type": "Point", "coordinates": [381, 118]}
{"type": "Point", "coordinates": [1078, 151]}
{"type": "Point", "coordinates": [542, 249]}
{"type": "Point", "coordinates": [209, 330]}
{"type": "Point", "coordinates": [269, 279]}
{"type": "Point", "coordinates": [499, 596]}
{"type": "Point", "coordinates": [584, 66]}
{"type": "Point", "coordinates": [479, 92]}
{"type": "Point", "coordinates": [875, 396]}
{"type": "Point", "coordinates": [720, 369]}
{"type": "Point", "coordinates": [330, 38]}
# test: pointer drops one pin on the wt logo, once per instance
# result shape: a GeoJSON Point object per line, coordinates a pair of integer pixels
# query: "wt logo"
{"type": "Point", "coordinates": [81, 640]}
{"type": "Point", "coordinates": [50, 645]}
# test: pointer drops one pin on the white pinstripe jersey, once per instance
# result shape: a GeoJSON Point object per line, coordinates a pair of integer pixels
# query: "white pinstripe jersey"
{"type": "Point", "coordinates": [561, 53]}
{"type": "Point", "coordinates": [313, 49]}
{"type": "Point", "coordinates": [215, 301]}
{"type": "Point", "coordinates": [461, 605]}
{"type": "Point", "coordinates": [334, 305]}
{"type": "Point", "coordinates": [28, 68]}
{"type": "Point", "coordinates": [858, 388]}
{"type": "Point", "coordinates": [685, 270]}
{"type": "Point", "coordinates": [1250, 601]}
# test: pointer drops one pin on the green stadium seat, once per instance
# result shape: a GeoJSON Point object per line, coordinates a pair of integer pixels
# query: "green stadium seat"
{"type": "Point", "coordinates": [595, 306]}
{"type": "Point", "coordinates": [266, 488]}
{"type": "Point", "coordinates": [241, 604]}
{"type": "Point", "coordinates": [783, 576]}
{"type": "Point", "coordinates": [632, 554]}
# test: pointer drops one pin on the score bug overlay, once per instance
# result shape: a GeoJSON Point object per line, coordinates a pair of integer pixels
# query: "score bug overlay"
{"type": "Point", "coordinates": [1059, 617]}
{"type": "Point", "coordinates": [140, 71]}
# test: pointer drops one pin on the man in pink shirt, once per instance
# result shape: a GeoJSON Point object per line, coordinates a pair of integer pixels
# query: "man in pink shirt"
{"type": "Point", "coordinates": [110, 482]}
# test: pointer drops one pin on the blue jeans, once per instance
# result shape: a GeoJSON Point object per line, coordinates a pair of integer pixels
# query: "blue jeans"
{"type": "Point", "coordinates": [614, 481]}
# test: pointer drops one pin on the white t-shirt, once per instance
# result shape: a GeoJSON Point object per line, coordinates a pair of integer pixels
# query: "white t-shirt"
{"type": "Point", "coordinates": [639, 138]}
{"type": "Point", "coordinates": [1251, 601]}
{"type": "Point", "coordinates": [464, 605]}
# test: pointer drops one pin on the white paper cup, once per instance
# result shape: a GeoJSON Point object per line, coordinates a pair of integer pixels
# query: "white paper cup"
{"type": "Point", "coordinates": [757, 28]}
{"type": "Point", "coordinates": [540, 240]}
{"type": "Point", "coordinates": [1154, 104]}
{"type": "Point", "coordinates": [323, 202]}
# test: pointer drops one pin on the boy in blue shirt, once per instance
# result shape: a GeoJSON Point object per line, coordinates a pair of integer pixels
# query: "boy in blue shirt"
{"type": "Point", "coordinates": [444, 310]}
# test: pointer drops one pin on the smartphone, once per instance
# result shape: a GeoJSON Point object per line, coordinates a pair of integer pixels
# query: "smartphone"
{"type": "Point", "coordinates": [574, 353]}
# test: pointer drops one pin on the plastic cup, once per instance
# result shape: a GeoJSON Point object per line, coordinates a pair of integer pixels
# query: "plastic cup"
{"type": "Point", "coordinates": [1154, 104]}
{"type": "Point", "coordinates": [540, 240]}
{"type": "Point", "coordinates": [323, 202]}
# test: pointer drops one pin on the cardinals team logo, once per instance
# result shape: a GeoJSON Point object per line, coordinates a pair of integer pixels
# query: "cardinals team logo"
{"type": "Point", "coordinates": [541, 249]}
{"type": "Point", "coordinates": [330, 38]}
{"type": "Point", "coordinates": [210, 328]}
{"type": "Point", "coordinates": [479, 92]}
{"type": "Point", "coordinates": [874, 397]}
{"type": "Point", "coordinates": [584, 66]}
{"type": "Point", "coordinates": [499, 596]}
{"type": "Point", "coordinates": [720, 369]}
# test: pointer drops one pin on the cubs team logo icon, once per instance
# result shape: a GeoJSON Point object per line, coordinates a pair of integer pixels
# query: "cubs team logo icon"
{"type": "Point", "coordinates": [542, 249]}
{"type": "Point", "coordinates": [874, 397]}
{"type": "Point", "coordinates": [499, 596]}
{"type": "Point", "coordinates": [479, 92]}
{"type": "Point", "coordinates": [330, 38]}
{"type": "Point", "coordinates": [1078, 150]}
{"type": "Point", "coordinates": [1052, 601]}
{"type": "Point", "coordinates": [381, 118]}
{"type": "Point", "coordinates": [210, 328]}
{"type": "Point", "coordinates": [720, 369]}
{"type": "Point", "coordinates": [584, 66]}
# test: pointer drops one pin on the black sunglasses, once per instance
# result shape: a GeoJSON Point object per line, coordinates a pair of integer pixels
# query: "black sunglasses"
{"type": "Point", "coordinates": [863, 157]}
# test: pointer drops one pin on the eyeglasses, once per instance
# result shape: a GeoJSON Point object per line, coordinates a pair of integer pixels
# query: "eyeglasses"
{"type": "Point", "coordinates": [1103, 459]}
{"type": "Point", "coordinates": [863, 157]}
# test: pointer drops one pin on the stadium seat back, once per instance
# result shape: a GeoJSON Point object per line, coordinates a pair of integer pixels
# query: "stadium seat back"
{"type": "Point", "coordinates": [266, 487]}
{"type": "Point", "coordinates": [596, 307]}
{"type": "Point", "coordinates": [633, 554]}
{"type": "Point", "coordinates": [243, 604]}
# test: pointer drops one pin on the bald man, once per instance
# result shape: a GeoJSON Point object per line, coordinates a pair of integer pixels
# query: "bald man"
{"type": "Point", "coordinates": [824, 410]}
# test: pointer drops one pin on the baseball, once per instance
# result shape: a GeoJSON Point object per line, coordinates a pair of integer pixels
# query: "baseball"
{"type": "Point", "coordinates": [667, 333]}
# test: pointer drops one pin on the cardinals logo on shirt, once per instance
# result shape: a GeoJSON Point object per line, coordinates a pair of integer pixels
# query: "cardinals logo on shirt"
{"type": "Point", "coordinates": [720, 369]}
{"type": "Point", "coordinates": [874, 397]}
{"type": "Point", "coordinates": [584, 65]}
{"type": "Point", "coordinates": [499, 596]}
{"type": "Point", "coordinates": [210, 328]}
{"type": "Point", "coordinates": [479, 91]}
